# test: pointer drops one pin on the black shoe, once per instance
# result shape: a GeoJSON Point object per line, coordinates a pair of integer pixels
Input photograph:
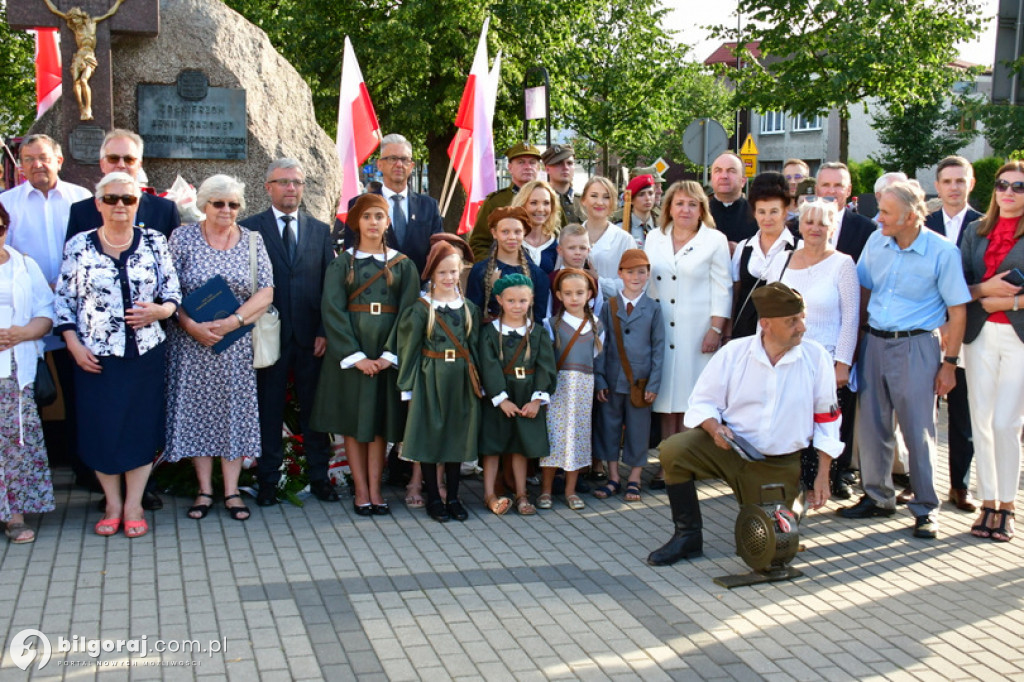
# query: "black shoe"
{"type": "Point", "coordinates": [848, 476]}
{"type": "Point", "coordinates": [324, 491]}
{"type": "Point", "coordinates": [267, 495]}
{"type": "Point", "coordinates": [841, 490]}
{"type": "Point", "coordinates": [362, 509]}
{"type": "Point", "coordinates": [151, 501]}
{"type": "Point", "coordinates": [865, 509]}
{"type": "Point", "coordinates": [457, 511]}
{"type": "Point", "coordinates": [381, 509]}
{"type": "Point", "coordinates": [438, 511]}
{"type": "Point", "coordinates": [902, 480]}
{"type": "Point", "coordinates": [926, 527]}
{"type": "Point", "coordinates": [656, 484]}
{"type": "Point", "coordinates": [687, 541]}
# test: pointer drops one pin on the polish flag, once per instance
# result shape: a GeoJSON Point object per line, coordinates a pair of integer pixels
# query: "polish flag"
{"type": "Point", "coordinates": [472, 148]}
{"type": "Point", "coordinates": [358, 129]}
{"type": "Point", "coordinates": [48, 76]}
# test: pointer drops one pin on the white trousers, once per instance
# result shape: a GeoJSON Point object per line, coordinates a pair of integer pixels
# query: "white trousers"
{"type": "Point", "coordinates": [994, 363]}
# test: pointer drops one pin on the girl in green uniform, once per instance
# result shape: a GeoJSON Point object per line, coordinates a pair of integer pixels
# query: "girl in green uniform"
{"type": "Point", "coordinates": [517, 365]}
{"type": "Point", "coordinates": [437, 338]}
{"type": "Point", "coordinates": [365, 289]}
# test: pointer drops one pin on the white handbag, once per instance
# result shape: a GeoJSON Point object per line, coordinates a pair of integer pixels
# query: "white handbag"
{"type": "Point", "coordinates": [266, 332]}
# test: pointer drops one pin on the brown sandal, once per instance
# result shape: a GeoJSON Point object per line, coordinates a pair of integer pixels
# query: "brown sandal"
{"type": "Point", "coordinates": [498, 505]}
{"type": "Point", "coordinates": [523, 505]}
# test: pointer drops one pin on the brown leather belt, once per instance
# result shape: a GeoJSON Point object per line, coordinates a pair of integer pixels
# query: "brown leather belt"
{"type": "Point", "coordinates": [372, 308]}
{"type": "Point", "coordinates": [448, 355]}
{"type": "Point", "coordinates": [519, 372]}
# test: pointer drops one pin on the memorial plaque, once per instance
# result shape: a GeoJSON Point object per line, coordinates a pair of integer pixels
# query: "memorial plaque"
{"type": "Point", "coordinates": [85, 143]}
{"type": "Point", "coordinates": [193, 84]}
{"type": "Point", "coordinates": [177, 128]}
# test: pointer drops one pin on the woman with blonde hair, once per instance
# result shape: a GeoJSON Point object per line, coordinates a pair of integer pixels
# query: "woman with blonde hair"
{"type": "Point", "coordinates": [607, 241]}
{"type": "Point", "coordinates": [541, 204]}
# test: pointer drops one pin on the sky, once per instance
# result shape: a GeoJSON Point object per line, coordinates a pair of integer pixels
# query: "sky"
{"type": "Point", "coordinates": [688, 17]}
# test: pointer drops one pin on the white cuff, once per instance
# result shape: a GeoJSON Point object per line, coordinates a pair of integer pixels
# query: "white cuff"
{"type": "Point", "coordinates": [350, 361]}
{"type": "Point", "coordinates": [390, 357]}
{"type": "Point", "coordinates": [406, 396]}
{"type": "Point", "coordinates": [544, 398]}
{"type": "Point", "coordinates": [499, 399]}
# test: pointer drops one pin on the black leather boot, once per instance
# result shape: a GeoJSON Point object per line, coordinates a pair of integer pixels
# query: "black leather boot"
{"type": "Point", "coordinates": [688, 540]}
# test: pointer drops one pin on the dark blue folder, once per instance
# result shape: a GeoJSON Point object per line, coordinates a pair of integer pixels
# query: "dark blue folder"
{"type": "Point", "coordinates": [214, 301]}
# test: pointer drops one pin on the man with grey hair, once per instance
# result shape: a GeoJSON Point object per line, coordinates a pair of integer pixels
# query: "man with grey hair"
{"type": "Point", "coordinates": [852, 230]}
{"type": "Point", "coordinates": [414, 216]}
{"type": "Point", "coordinates": [913, 283]}
{"type": "Point", "coordinates": [300, 250]}
{"type": "Point", "coordinates": [122, 151]}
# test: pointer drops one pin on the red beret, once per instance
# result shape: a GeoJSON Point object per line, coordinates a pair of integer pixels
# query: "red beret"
{"type": "Point", "coordinates": [640, 182]}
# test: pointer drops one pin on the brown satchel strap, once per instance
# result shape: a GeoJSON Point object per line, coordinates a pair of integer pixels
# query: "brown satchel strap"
{"type": "Point", "coordinates": [460, 350]}
{"type": "Point", "coordinates": [572, 342]}
{"type": "Point", "coordinates": [508, 368]}
{"type": "Point", "coordinates": [617, 325]}
{"type": "Point", "coordinates": [377, 275]}
{"type": "Point", "coordinates": [372, 308]}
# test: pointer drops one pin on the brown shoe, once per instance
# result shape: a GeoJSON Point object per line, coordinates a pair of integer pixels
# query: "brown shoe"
{"type": "Point", "coordinates": [962, 500]}
{"type": "Point", "coordinates": [905, 495]}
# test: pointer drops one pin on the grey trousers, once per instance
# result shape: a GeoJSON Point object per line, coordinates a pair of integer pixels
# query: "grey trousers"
{"type": "Point", "coordinates": [898, 374]}
{"type": "Point", "coordinates": [608, 431]}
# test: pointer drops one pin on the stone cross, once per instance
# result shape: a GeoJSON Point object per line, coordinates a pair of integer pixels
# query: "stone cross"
{"type": "Point", "coordinates": [81, 138]}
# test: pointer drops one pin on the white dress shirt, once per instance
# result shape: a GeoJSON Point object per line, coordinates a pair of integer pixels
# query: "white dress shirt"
{"type": "Point", "coordinates": [391, 204]}
{"type": "Point", "coordinates": [954, 223]}
{"type": "Point", "coordinates": [773, 407]}
{"type": "Point", "coordinates": [280, 223]}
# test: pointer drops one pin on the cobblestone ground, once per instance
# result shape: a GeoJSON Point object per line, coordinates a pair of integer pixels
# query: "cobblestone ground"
{"type": "Point", "coordinates": [320, 593]}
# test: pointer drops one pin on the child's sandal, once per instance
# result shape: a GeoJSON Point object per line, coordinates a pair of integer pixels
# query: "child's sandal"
{"type": "Point", "coordinates": [544, 501]}
{"type": "Point", "coordinates": [609, 489]}
{"type": "Point", "coordinates": [498, 505]}
{"type": "Point", "coordinates": [524, 507]}
{"type": "Point", "coordinates": [575, 502]}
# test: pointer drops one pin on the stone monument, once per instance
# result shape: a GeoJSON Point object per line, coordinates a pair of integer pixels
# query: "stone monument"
{"type": "Point", "coordinates": [205, 48]}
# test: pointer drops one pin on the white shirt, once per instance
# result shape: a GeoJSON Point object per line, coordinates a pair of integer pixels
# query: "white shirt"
{"type": "Point", "coordinates": [831, 294]}
{"type": "Point", "coordinates": [773, 407]}
{"type": "Point", "coordinates": [954, 223]}
{"type": "Point", "coordinates": [766, 266]}
{"type": "Point", "coordinates": [391, 204]}
{"type": "Point", "coordinates": [605, 255]}
{"type": "Point", "coordinates": [280, 223]}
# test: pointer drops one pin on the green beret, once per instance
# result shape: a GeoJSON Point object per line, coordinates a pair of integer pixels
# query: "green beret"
{"type": "Point", "coordinates": [777, 300]}
{"type": "Point", "coordinates": [516, 280]}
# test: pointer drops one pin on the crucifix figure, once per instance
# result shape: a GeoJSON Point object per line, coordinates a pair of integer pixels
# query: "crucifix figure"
{"type": "Point", "coordinates": [84, 62]}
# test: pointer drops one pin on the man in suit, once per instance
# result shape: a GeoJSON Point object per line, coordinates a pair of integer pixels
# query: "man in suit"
{"type": "Point", "coordinates": [122, 151]}
{"type": "Point", "coordinates": [523, 166]}
{"type": "Point", "coordinates": [954, 180]}
{"type": "Point", "coordinates": [300, 250]}
{"type": "Point", "coordinates": [729, 207]}
{"type": "Point", "coordinates": [414, 217]}
{"type": "Point", "coordinates": [852, 231]}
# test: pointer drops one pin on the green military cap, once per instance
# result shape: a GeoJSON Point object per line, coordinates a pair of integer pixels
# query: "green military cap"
{"type": "Point", "coordinates": [777, 300]}
{"type": "Point", "coordinates": [521, 149]}
{"type": "Point", "coordinates": [647, 170]}
{"type": "Point", "coordinates": [557, 153]}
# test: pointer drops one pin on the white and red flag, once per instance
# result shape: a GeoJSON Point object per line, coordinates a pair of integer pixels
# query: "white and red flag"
{"type": "Point", "coordinates": [358, 129]}
{"type": "Point", "coordinates": [48, 76]}
{"type": "Point", "coordinates": [472, 148]}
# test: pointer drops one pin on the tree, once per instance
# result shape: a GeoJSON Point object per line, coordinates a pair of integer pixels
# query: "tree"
{"type": "Point", "coordinates": [918, 135]}
{"type": "Point", "coordinates": [1003, 126]}
{"type": "Point", "coordinates": [17, 79]}
{"type": "Point", "coordinates": [830, 54]}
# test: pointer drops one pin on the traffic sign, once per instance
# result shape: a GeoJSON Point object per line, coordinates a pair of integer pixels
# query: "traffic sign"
{"type": "Point", "coordinates": [749, 155]}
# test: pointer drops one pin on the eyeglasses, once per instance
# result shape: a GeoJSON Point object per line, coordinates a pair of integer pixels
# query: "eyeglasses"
{"type": "Point", "coordinates": [233, 205]}
{"type": "Point", "coordinates": [404, 160]}
{"type": "Point", "coordinates": [114, 159]}
{"type": "Point", "coordinates": [284, 182]}
{"type": "Point", "coordinates": [1017, 186]}
{"type": "Point", "coordinates": [31, 160]}
{"type": "Point", "coordinates": [126, 199]}
{"type": "Point", "coordinates": [812, 198]}
{"type": "Point", "coordinates": [796, 176]}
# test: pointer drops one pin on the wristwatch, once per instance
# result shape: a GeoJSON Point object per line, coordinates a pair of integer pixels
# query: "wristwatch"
{"type": "Point", "coordinates": [952, 359]}
{"type": "Point", "coordinates": [241, 320]}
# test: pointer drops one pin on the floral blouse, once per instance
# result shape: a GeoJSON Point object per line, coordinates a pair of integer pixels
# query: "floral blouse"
{"type": "Point", "coordinates": [94, 291]}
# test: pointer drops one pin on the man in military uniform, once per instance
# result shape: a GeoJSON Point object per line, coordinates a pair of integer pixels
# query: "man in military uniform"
{"type": "Point", "coordinates": [560, 164]}
{"type": "Point", "coordinates": [523, 166]}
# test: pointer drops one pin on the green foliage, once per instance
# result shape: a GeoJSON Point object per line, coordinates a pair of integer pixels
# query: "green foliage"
{"type": "Point", "coordinates": [863, 176]}
{"type": "Point", "coordinates": [1003, 125]}
{"type": "Point", "coordinates": [17, 79]}
{"type": "Point", "coordinates": [919, 135]}
{"type": "Point", "coordinates": [985, 180]}
{"type": "Point", "coordinates": [825, 54]}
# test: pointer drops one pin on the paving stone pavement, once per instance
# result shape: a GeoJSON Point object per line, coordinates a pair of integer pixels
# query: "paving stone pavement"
{"type": "Point", "coordinates": [319, 593]}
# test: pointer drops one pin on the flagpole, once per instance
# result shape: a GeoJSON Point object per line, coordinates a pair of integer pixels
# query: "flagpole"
{"type": "Point", "coordinates": [458, 174]}
{"type": "Point", "coordinates": [447, 177]}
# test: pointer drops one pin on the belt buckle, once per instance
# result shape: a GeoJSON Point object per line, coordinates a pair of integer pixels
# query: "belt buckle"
{"type": "Point", "coordinates": [375, 308]}
{"type": "Point", "coordinates": [520, 372]}
{"type": "Point", "coordinates": [449, 355]}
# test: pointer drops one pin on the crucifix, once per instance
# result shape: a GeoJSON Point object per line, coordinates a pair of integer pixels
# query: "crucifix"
{"type": "Point", "coordinates": [85, 32]}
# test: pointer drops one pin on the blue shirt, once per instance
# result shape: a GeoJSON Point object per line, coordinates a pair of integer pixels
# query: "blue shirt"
{"type": "Point", "coordinates": [912, 287]}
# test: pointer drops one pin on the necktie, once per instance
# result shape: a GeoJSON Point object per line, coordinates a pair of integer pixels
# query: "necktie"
{"type": "Point", "coordinates": [629, 308]}
{"type": "Point", "coordinates": [398, 218]}
{"type": "Point", "coordinates": [289, 237]}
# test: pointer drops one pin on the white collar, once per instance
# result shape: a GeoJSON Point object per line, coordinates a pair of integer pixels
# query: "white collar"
{"type": "Point", "coordinates": [959, 216]}
{"type": "Point", "coordinates": [454, 305]}
{"type": "Point", "coordinates": [277, 214]}
{"type": "Point", "coordinates": [574, 322]}
{"type": "Point", "coordinates": [382, 257]}
{"type": "Point", "coordinates": [634, 301]}
{"type": "Point", "coordinates": [388, 193]}
{"type": "Point", "coordinates": [522, 331]}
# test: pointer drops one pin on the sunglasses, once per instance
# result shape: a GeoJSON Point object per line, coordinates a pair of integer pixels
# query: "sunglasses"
{"type": "Point", "coordinates": [233, 205]}
{"type": "Point", "coordinates": [796, 176]}
{"type": "Point", "coordinates": [114, 159]}
{"type": "Point", "coordinates": [1003, 185]}
{"type": "Point", "coordinates": [112, 199]}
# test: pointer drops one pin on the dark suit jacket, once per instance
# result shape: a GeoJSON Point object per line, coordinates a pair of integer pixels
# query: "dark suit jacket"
{"type": "Point", "coordinates": [154, 212]}
{"type": "Point", "coordinates": [854, 234]}
{"type": "Point", "coordinates": [972, 254]}
{"type": "Point", "coordinates": [298, 286]}
{"type": "Point", "coordinates": [937, 223]}
{"type": "Point", "coordinates": [424, 219]}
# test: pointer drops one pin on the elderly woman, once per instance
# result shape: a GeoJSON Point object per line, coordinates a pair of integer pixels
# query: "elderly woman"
{"type": "Point", "coordinates": [541, 204]}
{"type": "Point", "coordinates": [116, 283]}
{"type": "Point", "coordinates": [827, 279]}
{"type": "Point", "coordinates": [763, 257]}
{"type": "Point", "coordinates": [26, 312]}
{"type": "Point", "coordinates": [211, 397]}
{"type": "Point", "coordinates": [993, 256]}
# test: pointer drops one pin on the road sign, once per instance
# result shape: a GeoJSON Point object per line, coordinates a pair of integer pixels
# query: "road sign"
{"type": "Point", "coordinates": [661, 165]}
{"type": "Point", "coordinates": [749, 155]}
{"type": "Point", "coordinates": [703, 140]}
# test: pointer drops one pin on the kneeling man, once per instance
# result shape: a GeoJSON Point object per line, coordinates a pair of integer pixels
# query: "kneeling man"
{"type": "Point", "coordinates": [774, 392]}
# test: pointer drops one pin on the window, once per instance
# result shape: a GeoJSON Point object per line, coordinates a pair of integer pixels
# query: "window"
{"type": "Point", "coordinates": [773, 122]}
{"type": "Point", "coordinates": [801, 123]}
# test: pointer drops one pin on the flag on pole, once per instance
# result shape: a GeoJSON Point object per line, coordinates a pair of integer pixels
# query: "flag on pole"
{"type": "Point", "coordinates": [48, 76]}
{"type": "Point", "coordinates": [472, 148]}
{"type": "Point", "coordinates": [358, 129]}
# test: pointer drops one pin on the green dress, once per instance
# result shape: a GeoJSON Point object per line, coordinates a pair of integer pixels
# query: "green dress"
{"type": "Point", "coordinates": [501, 435]}
{"type": "Point", "coordinates": [444, 412]}
{"type": "Point", "coordinates": [347, 401]}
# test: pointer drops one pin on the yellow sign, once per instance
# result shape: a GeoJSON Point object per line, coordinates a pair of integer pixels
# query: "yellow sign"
{"type": "Point", "coordinates": [661, 166]}
{"type": "Point", "coordinates": [748, 146]}
{"type": "Point", "coordinates": [749, 155]}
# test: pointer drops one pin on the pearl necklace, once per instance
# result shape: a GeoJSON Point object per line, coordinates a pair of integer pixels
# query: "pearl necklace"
{"type": "Point", "coordinates": [116, 246]}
